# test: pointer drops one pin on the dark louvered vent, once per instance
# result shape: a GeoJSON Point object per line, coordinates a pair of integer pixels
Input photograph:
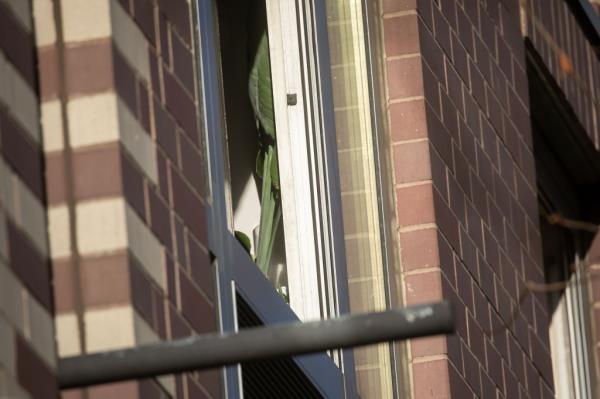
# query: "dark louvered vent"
{"type": "Point", "coordinates": [271, 379]}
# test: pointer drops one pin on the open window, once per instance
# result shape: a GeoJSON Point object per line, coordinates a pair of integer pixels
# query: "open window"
{"type": "Point", "coordinates": [283, 173]}
{"type": "Point", "coordinates": [568, 179]}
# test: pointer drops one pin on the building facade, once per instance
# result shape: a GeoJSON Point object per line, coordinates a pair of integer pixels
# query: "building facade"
{"type": "Point", "coordinates": [409, 151]}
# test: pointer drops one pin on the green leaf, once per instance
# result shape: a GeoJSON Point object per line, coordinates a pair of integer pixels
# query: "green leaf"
{"type": "Point", "coordinates": [260, 87]}
{"type": "Point", "coordinates": [244, 240]}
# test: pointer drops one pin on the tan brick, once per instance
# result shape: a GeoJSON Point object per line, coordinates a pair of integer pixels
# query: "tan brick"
{"type": "Point", "coordinates": [85, 19]}
{"type": "Point", "coordinates": [93, 119]}
{"type": "Point", "coordinates": [109, 328]}
{"type": "Point", "coordinates": [52, 125]}
{"type": "Point", "coordinates": [101, 226]}
{"type": "Point", "coordinates": [43, 14]}
{"type": "Point", "coordinates": [58, 231]}
{"type": "Point", "coordinates": [67, 334]}
{"type": "Point", "coordinates": [146, 247]}
{"type": "Point", "coordinates": [137, 142]}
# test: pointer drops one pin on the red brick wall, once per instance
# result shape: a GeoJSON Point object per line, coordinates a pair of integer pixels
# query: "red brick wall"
{"type": "Point", "coordinates": [457, 103]}
{"type": "Point", "coordinates": [560, 41]}
{"type": "Point", "coordinates": [171, 205]}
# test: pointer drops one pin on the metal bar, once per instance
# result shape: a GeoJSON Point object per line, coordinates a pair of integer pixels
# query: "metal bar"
{"type": "Point", "coordinates": [254, 344]}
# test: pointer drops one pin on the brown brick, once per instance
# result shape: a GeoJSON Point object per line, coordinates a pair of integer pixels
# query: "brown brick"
{"type": "Point", "coordinates": [63, 283]}
{"type": "Point", "coordinates": [405, 77]}
{"type": "Point", "coordinates": [211, 381]}
{"type": "Point", "coordinates": [155, 75]}
{"type": "Point", "coordinates": [407, 120]}
{"type": "Point", "coordinates": [428, 346]}
{"type": "Point", "coordinates": [411, 162]}
{"type": "Point", "coordinates": [419, 249]}
{"type": "Point", "coordinates": [201, 268]}
{"type": "Point", "coordinates": [183, 64]}
{"type": "Point", "coordinates": [193, 163]}
{"type": "Point", "coordinates": [446, 220]}
{"type": "Point", "coordinates": [144, 105]}
{"type": "Point", "coordinates": [144, 17]}
{"type": "Point", "coordinates": [195, 307]}
{"type": "Point", "coordinates": [189, 207]}
{"type": "Point", "coordinates": [401, 35]}
{"type": "Point", "coordinates": [125, 81]}
{"type": "Point", "coordinates": [181, 106]}
{"type": "Point", "coordinates": [431, 379]}
{"type": "Point", "coordinates": [141, 290]}
{"type": "Point", "coordinates": [178, 12]}
{"type": "Point", "coordinates": [150, 389]}
{"type": "Point", "coordinates": [423, 288]}
{"type": "Point", "coordinates": [398, 5]}
{"type": "Point", "coordinates": [128, 389]}
{"type": "Point", "coordinates": [432, 54]}
{"type": "Point", "coordinates": [472, 377]}
{"type": "Point", "coordinates": [442, 32]}
{"type": "Point", "coordinates": [48, 72]}
{"type": "Point", "coordinates": [431, 89]}
{"type": "Point", "coordinates": [105, 280]}
{"type": "Point", "coordinates": [194, 391]}
{"type": "Point", "coordinates": [55, 178]}
{"type": "Point", "coordinates": [133, 185]}
{"type": "Point", "coordinates": [29, 265]}
{"type": "Point", "coordinates": [160, 219]}
{"type": "Point", "coordinates": [163, 176]}
{"type": "Point", "coordinates": [438, 173]}
{"type": "Point", "coordinates": [18, 45]}
{"type": "Point", "coordinates": [465, 30]}
{"type": "Point", "coordinates": [97, 172]}
{"type": "Point", "coordinates": [33, 374]}
{"type": "Point", "coordinates": [88, 67]}
{"type": "Point", "coordinates": [415, 205]}
{"type": "Point", "coordinates": [24, 156]}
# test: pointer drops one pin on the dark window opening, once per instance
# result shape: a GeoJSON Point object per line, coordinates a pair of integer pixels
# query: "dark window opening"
{"type": "Point", "coordinates": [275, 378]}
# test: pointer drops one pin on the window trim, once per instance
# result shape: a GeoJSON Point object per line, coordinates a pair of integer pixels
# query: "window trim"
{"type": "Point", "coordinates": [233, 268]}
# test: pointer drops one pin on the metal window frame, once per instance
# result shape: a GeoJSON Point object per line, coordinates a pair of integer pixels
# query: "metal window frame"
{"type": "Point", "coordinates": [234, 270]}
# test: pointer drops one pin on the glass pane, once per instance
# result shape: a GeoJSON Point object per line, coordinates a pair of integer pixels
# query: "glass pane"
{"type": "Point", "coordinates": [358, 185]}
{"type": "Point", "coordinates": [251, 142]}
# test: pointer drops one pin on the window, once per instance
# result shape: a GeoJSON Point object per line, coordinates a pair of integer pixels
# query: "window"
{"type": "Point", "coordinates": [309, 249]}
{"type": "Point", "coordinates": [568, 177]}
{"type": "Point", "coordinates": [312, 89]}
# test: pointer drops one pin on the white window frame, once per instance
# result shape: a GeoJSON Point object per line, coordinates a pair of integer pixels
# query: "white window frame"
{"type": "Point", "coordinates": [312, 218]}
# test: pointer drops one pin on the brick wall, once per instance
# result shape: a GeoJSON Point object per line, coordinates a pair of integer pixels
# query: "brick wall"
{"type": "Point", "coordinates": [467, 215]}
{"type": "Point", "coordinates": [27, 346]}
{"type": "Point", "coordinates": [126, 183]}
{"type": "Point", "coordinates": [568, 55]}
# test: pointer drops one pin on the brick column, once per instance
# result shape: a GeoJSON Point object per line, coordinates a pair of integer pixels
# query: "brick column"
{"type": "Point", "coordinates": [465, 190]}
{"type": "Point", "coordinates": [27, 347]}
{"type": "Point", "coordinates": [126, 182]}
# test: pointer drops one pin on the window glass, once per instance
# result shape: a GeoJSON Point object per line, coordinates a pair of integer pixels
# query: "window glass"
{"type": "Point", "coordinates": [356, 153]}
{"type": "Point", "coordinates": [254, 187]}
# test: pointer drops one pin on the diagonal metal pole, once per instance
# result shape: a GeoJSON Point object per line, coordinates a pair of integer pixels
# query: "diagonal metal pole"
{"type": "Point", "coordinates": [254, 344]}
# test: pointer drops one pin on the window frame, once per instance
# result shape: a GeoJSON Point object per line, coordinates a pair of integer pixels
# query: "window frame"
{"type": "Point", "coordinates": [234, 270]}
